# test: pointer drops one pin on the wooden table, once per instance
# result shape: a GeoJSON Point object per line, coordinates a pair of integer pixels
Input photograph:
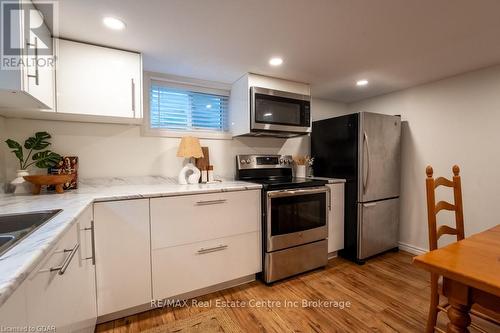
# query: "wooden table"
{"type": "Point", "coordinates": [471, 275]}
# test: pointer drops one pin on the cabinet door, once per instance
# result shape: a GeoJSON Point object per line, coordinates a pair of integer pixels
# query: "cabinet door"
{"type": "Point", "coordinates": [96, 80]}
{"type": "Point", "coordinates": [54, 295]}
{"type": "Point", "coordinates": [336, 218]}
{"type": "Point", "coordinates": [39, 72]}
{"type": "Point", "coordinates": [13, 311]}
{"type": "Point", "coordinates": [123, 256]}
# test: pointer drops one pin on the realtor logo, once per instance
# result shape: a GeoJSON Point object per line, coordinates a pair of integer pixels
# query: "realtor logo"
{"type": "Point", "coordinates": [26, 33]}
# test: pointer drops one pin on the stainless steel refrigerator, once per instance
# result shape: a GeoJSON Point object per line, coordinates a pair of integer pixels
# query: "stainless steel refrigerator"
{"type": "Point", "coordinates": [365, 149]}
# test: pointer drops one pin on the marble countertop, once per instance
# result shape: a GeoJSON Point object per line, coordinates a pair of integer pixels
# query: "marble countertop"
{"type": "Point", "coordinates": [17, 263]}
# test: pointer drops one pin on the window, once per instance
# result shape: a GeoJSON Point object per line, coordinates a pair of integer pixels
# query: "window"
{"type": "Point", "coordinates": [184, 108]}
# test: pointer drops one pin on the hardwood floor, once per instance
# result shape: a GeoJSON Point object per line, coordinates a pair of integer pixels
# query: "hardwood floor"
{"type": "Point", "coordinates": [387, 294]}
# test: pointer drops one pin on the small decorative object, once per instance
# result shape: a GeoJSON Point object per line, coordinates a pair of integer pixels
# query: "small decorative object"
{"type": "Point", "coordinates": [46, 180]}
{"type": "Point", "coordinates": [204, 175]}
{"type": "Point", "coordinates": [41, 159]}
{"type": "Point", "coordinates": [19, 184]}
{"type": "Point", "coordinates": [68, 165]}
{"type": "Point", "coordinates": [301, 164]}
{"type": "Point", "coordinates": [310, 169]}
{"type": "Point", "coordinates": [210, 176]}
{"type": "Point", "coordinates": [202, 163]}
{"type": "Point", "coordinates": [189, 148]}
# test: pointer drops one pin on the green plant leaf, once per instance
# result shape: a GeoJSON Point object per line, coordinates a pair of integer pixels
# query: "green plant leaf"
{"type": "Point", "coordinates": [38, 142]}
{"type": "Point", "coordinates": [16, 149]}
{"type": "Point", "coordinates": [46, 159]}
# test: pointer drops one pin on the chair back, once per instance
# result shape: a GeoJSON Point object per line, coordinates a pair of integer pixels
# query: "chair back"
{"type": "Point", "coordinates": [434, 208]}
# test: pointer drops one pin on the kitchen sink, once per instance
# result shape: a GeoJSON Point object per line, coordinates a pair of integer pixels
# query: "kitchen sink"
{"type": "Point", "coordinates": [15, 227]}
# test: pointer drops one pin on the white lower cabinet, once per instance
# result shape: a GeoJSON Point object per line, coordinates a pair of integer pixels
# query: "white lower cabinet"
{"type": "Point", "coordinates": [13, 311]}
{"type": "Point", "coordinates": [336, 218]}
{"type": "Point", "coordinates": [60, 292]}
{"type": "Point", "coordinates": [193, 218]}
{"type": "Point", "coordinates": [181, 269]}
{"type": "Point", "coordinates": [123, 256]}
{"type": "Point", "coordinates": [202, 240]}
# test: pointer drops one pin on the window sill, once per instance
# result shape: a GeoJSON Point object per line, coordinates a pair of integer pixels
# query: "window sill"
{"type": "Point", "coordinates": [179, 134]}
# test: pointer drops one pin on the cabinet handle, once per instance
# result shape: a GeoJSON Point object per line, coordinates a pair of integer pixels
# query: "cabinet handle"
{"type": "Point", "coordinates": [329, 198]}
{"type": "Point", "coordinates": [92, 238]}
{"type": "Point", "coordinates": [67, 260]}
{"type": "Point", "coordinates": [36, 76]}
{"type": "Point", "coordinates": [212, 249]}
{"type": "Point", "coordinates": [133, 96]}
{"type": "Point", "coordinates": [210, 202]}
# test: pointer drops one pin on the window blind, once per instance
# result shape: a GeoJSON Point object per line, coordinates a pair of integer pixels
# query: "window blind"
{"type": "Point", "coordinates": [181, 109]}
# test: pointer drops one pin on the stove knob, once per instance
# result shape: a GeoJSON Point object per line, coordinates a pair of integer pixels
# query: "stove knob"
{"type": "Point", "coordinates": [243, 161]}
{"type": "Point", "coordinates": [282, 161]}
{"type": "Point", "coordinates": [248, 161]}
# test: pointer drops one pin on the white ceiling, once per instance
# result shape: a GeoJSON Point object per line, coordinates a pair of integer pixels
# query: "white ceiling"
{"type": "Point", "coordinates": [394, 44]}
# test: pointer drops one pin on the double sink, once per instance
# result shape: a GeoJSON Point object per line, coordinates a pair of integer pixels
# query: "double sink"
{"type": "Point", "coordinates": [15, 227]}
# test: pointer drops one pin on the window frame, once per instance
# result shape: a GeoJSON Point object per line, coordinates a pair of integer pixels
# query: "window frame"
{"type": "Point", "coordinates": [178, 82]}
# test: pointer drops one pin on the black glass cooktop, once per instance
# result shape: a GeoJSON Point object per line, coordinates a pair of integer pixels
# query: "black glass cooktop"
{"type": "Point", "coordinates": [288, 183]}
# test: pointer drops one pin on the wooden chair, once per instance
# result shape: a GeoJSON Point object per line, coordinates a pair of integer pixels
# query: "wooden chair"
{"type": "Point", "coordinates": [435, 233]}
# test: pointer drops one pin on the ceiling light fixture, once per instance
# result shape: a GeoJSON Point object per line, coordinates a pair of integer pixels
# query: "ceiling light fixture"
{"type": "Point", "coordinates": [362, 83]}
{"type": "Point", "coordinates": [275, 61]}
{"type": "Point", "coordinates": [113, 23]}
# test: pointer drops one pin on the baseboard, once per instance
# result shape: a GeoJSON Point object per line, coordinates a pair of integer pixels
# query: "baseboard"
{"type": "Point", "coordinates": [333, 254]}
{"type": "Point", "coordinates": [188, 295]}
{"type": "Point", "coordinates": [412, 249]}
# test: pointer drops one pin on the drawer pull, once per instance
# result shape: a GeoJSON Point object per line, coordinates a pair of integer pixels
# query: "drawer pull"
{"type": "Point", "coordinates": [212, 249]}
{"type": "Point", "coordinates": [210, 202]}
{"type": "Point", "coordinates": [67, 260]}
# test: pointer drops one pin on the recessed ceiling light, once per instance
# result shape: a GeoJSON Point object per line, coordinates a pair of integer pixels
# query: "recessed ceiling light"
{"type": "Point", "coordinates": [361, 83]}
{"type": "Point", "coordinates": [275, 61]}
{"type": "Point", "coordinates": [113, 23]}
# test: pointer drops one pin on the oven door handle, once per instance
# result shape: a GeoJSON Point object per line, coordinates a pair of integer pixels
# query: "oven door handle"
{"type": "Point", "coordinates": [294, 192]}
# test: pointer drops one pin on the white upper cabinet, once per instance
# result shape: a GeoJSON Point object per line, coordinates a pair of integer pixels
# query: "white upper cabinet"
{"type": "Point", "coordinates": [30, 83]}
{"type": "Point", "coordinates": [98, 81]}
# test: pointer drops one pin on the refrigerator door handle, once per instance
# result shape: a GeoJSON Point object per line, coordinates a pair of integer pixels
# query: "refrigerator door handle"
{"type": "Point", "coordinates": [365, 181]}
{"type": "Point", "coordinates": [370, 204]}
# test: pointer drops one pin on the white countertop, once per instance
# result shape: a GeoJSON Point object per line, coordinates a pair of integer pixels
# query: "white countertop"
{"type": "Point", "coordinates": [20, 261]}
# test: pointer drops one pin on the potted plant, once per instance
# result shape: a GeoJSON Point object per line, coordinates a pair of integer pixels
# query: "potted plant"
{"type": "Point", "coordinates": [301, 165]}
{"type": "Point", "coordinates": [41, 158]}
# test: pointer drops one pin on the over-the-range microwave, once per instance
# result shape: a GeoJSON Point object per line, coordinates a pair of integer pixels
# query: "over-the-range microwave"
{"type": "Point", "coordinates": [279, 113]}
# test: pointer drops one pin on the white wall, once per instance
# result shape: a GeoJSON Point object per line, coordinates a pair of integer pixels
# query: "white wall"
{"type": "Point", "coordinates": [107, 150]}
{"type": "Point", "coordinates": [452, 121]}
{"type": "Point", "coordinates": [322, 109]}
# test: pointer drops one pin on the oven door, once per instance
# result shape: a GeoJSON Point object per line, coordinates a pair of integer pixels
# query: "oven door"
{"type": "Point", "coordinates": [280, 111]}
{"type": "Point", "coordinates": [295, 217]}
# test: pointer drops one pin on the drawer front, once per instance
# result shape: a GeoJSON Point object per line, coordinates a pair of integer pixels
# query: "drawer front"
{"type": "Point", "coordinates": [194, 218]}
{"type": "Point", "coordinates": [181, 269]}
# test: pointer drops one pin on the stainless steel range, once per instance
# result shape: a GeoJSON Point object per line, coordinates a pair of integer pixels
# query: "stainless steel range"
{"type": "Point", "coordinates": [294, 216]}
